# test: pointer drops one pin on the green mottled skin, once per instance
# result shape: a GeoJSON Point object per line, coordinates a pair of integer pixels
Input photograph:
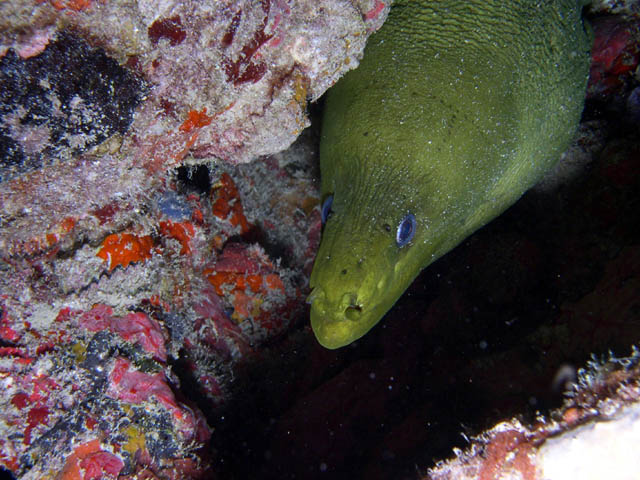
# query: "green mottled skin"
{"type": "Point", "coordinates": [457, 108]}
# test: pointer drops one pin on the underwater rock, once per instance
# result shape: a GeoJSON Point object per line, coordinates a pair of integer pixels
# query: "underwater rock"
{"type": "Point", "coordinates": [60, 103]}
{"type": "Point", "coordinates": [593, 435]}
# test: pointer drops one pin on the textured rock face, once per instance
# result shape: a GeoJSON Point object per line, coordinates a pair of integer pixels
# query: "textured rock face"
{"type": "Point", "coordinates": [222, 80]}
{"type": "Point", "coordinates": [60, 103]}
{"type": "Point", "coordinates": [104, 337]}
{"type": "Point", "coordinates": [139, 266]}
{"type": "Point", "coordinates": [593, 435]}
{"type": "Point", "coordinates": [250, 66]}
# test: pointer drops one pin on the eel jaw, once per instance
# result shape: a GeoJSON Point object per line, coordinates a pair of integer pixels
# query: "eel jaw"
{"type": "Point", "coordinates": [341, 324]}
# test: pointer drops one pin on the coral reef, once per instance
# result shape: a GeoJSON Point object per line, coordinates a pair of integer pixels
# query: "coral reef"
{"type": "Point", "coordinates": [591, 436]}
{"type": "Point", "coordinates": [101, 346]}
{"type": "Point", "coordinates": [188, 82]}
{"type": "Point", "coordinates": [48, 113]}
{"type": "Point", "coordinates": [628, 8]}
{"type": "Point", "coordinates": [615, 55]}
{"type": "Point", "coordinates": [133, 275]}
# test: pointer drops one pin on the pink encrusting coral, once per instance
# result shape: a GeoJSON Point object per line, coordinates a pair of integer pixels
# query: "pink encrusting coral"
{"type": "Point", "coordinates": [130, 385]}
{"type": "Point", "coordinates": [133, 327]}
{"type": "Point", "coordinates": [89, 462]}
{"type": "Point", "coordinates": [42, 398]}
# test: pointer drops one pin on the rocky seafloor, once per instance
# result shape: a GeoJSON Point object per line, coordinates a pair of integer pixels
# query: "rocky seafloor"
{"type": "Point", "coordinates": [157, 233]}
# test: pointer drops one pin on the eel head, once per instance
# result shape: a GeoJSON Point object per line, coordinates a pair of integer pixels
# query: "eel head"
{"type": "Point", "coordinates": [369, 254]}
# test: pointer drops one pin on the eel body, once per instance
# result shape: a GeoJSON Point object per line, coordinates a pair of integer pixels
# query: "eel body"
{"type": "Point", "coordinates": [456, 109]}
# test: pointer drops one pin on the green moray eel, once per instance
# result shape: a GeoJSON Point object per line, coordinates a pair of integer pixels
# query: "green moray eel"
{"type": "Point", "coordinates": [457, 108]}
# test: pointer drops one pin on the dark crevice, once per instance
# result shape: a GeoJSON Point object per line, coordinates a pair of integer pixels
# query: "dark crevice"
{"type": "Point", "coordinates": [194, 178]}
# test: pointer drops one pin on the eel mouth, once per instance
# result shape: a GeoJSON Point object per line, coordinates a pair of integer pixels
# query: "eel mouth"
{"type": "Point", "coordinates": [336, 324]}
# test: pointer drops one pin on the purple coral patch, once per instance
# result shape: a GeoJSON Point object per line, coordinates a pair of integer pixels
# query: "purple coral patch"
{"type": "Point", "coordinates": [169, 28]}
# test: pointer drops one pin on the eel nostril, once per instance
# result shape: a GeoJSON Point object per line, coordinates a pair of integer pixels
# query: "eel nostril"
{"type": "Point", "coordinates": [353, 312]}
{"type": "Point", "coordinates": [351, 307]}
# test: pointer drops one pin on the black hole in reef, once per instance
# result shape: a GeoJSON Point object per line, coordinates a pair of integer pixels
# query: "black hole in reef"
{"type": "Point", "coordinates": [6, 474]}
{"type": "Point", "coordinates": [344, 272]}
{"type": "Point", "coordinates": [194, 178]}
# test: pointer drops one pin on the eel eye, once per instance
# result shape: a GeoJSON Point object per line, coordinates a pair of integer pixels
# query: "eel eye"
{"type": "Point", "coordinates": [406, 230]}
{"type": "Point", "coordinates": [326, 209]}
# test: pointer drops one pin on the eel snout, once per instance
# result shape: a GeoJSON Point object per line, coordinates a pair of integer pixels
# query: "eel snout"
{"type": "Point", "coordinates": [339, 321]}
